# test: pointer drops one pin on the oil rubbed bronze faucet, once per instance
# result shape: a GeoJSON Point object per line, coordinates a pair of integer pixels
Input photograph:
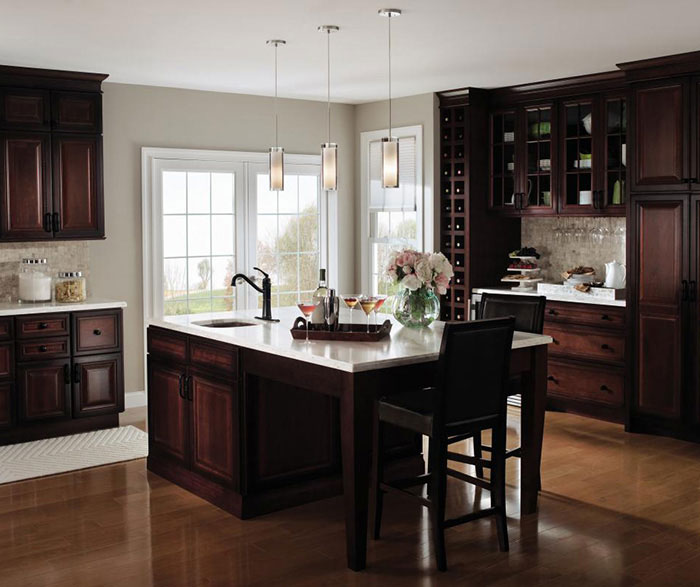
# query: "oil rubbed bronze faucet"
{"type": "Point", "coordinates": [265, 290]}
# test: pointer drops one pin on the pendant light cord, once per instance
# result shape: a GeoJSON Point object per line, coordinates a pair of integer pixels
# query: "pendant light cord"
{"type": "Point", "coordinates": [389, 19]}
{"type": "Point", "coordinates": [276, 137]}
{"type": "Point", "coordinates": [328, 53]}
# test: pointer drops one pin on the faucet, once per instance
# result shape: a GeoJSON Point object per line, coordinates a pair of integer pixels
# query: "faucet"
{"type": "Point", "coordinates": [265, 290]}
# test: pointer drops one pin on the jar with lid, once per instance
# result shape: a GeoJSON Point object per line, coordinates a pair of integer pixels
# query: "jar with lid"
{"type": "Point", "coordinates": [34, 281]}
{"type": "Point", "coordinates": [70, 287]}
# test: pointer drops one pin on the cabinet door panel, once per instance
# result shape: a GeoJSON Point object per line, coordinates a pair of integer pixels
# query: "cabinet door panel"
{"type": "Point", "coordinates": [77, 182]}
{"type": "Point", "coordinates": [77, 111]}
{"type": "Point", "coordinates": [7, 407]}
{"type": "Point", "coordinates": [660, 125]}
{"type": "Point", "coordinates": [694, 329]}
{"type": "Point", "coordinates": [167, 411]}
{"type": "Point", "coordinates": [44, 391]}
{"type": "Point", "coordinates": [660, 250]}
{"type": "Point", "coordinates": [214, 407]}
{"type": "Point", "coordinates": [98, 385]}
{"type": "Point", "coordinates": [6, 360]}
{"type": "Point", "coordinates": [26, 189]}
{"type": "Point", "coordinates": [24, 109]}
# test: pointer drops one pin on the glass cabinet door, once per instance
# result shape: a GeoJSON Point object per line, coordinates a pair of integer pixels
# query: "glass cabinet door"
{"type": "Point", "coordinates": [503, 160]}
{"type": "Point", "coordinates": [579, 159]}
{"type": "Point", "coordinates": [615, 174]}
{"type": "Point", "coordinates": [537, 187]}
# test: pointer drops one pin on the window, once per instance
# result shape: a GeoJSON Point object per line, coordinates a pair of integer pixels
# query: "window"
{"type": "Point", "coordinates": [391, 218]}
{"type": "Point", "coordinates": [209, 215]}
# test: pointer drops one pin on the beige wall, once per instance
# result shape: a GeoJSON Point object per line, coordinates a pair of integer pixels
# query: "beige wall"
{"type": "Point", "coordinates": [145, 116]}
{"type": "Point", "coordinates": [421, 109]}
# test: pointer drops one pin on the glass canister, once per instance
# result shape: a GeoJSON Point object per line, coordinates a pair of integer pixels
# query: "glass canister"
{"type": "Point", "coordinates": [34, 281]}
{"type": "Point", "coordinates": [70, 287]}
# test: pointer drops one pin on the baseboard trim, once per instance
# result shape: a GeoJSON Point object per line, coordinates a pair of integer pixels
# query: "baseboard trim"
{"type": "Point", "coordinates": [134, 399]}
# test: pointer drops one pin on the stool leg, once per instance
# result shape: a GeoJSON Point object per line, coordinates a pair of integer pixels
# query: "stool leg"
{"type": "Point", "coordinates": [378, 476]}
{"type": "Point", "coordinates": [477, 453]}
{"type": "Point", "coordinates": [498, 484]}
{"type": "Point", "coordinates": [438, 498]}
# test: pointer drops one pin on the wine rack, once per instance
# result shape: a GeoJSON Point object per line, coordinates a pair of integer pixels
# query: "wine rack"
{"type": "Point", "coordinates": [473, 239]}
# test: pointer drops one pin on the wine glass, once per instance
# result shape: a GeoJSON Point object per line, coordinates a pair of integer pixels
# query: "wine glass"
{"type": "Point", "coordinates": [379, 302]}
{"type": "Point", "coordinates": [307, 308]}
{"type": "Point", "coordinates": [351, 301]}
{"type": "Point", "coordinates": [367, 304]}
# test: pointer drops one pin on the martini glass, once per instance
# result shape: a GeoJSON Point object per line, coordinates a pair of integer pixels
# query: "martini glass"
{"type": "Point", "coordinates": [367, 304]}
{"type": "Point", "coordinates": [307, 308]}
{"type": "Point", "coordinates": [351, 300]}
{"type": "Point", "coordinates": [379, 302]}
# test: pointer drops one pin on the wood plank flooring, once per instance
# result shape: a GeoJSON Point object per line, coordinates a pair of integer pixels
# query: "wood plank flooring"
{"type": "Point", "coordinates": [617, 509]}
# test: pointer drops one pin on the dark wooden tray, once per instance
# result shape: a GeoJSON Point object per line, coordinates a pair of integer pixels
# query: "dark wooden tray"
{"type": "Point", "coordinates": [346, 332]}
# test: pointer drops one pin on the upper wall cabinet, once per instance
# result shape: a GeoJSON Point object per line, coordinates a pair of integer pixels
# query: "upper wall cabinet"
{"type": "Point", "coordinates": [51, 155]}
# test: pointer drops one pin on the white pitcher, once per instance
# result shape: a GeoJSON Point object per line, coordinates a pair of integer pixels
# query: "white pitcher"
{"type": "Point", "coordinates": [615, 275]}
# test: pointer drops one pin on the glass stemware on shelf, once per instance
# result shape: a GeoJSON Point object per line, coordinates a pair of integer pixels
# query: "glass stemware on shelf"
{"type": "Point", "coordinates": [379, 302]}
{"type": "Point", "coordinates": [351, 301]}
{"type": "Point", "coordinates": [368, 303]}
{"type": "Point", "coordinates": [307, 308]}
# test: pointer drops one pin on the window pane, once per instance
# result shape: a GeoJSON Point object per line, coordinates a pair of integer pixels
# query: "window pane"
{"type": "Point", "coordinates": [174, 308]}
{"type": "Point", "coordinates": [267, 200]}
{"type": "Point", "coordinates": [403, 225]}
{"type": "Point", "coordinates": [222, 193]}
{"type": "Point", "coordinates": [308, 271]}
{"type": "Point", "coordinates": [175, 279]}
{"type": "Point", "coordinates": [222, 235]}
{"type": "Point", "coordinates": [383, 224]}
{"type": "Point", "coordinates": [308, 194]}
{"type": "Point", "coordinates": [267, 233]}
{"type": "Point", "coordinates": [287, 278]}
{"type": "Point", "coordinates": [198, 238]}
{"type": "Point", "coordinates": [174, 245]}
{"type": "Point", "coordinates": [222, 271]}
{"type": "Point", "coordinates": [197, 192]}
{"type": "Point", "coordinates": [308, 233]}
{"type": "Point", "coordinates": [174, 192]}
{"type": "Point", "coordinates": [288, 239]}
{"type": "Point", "coordinates": [199, 281]}
{"type": "Point", "coordinates": [289, 198]}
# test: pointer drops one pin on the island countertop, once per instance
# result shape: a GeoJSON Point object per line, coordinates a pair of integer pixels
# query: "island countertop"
{"type": "Point", "coordinates": [404, 345]}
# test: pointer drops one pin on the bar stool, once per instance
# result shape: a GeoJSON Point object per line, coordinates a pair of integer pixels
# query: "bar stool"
{"type": "Point", "coordinates": [470, 396]}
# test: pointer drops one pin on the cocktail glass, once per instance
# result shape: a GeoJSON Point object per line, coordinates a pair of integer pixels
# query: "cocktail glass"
{"type": "Point", "coordinates": [380, 299]}
{"type": "Point", "coordinates": [351, 301]}
{"type": "Point", "coordinates": [307, 308]}
{"type": "Point", "coordinates": [367, 304]}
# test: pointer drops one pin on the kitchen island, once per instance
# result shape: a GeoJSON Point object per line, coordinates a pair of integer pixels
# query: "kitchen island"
{"type": "Point", "coordinates": [253, 420]}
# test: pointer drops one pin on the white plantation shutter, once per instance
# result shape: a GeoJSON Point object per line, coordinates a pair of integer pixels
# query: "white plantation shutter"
{"type": "Point", "coordinates": [402, 198]}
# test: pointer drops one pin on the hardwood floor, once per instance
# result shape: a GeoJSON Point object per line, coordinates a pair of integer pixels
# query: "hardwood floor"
{"type": "Point", "coordinates": [617, 509]}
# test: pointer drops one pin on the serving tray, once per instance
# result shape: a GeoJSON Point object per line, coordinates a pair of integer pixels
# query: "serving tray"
{"type": "Point", "coordinates": [345, 332]}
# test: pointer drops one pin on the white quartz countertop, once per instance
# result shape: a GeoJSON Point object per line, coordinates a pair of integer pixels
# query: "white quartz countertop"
{"type": "Point", "coordinates": [17, 308]}
{"type": "Point", "coordinates": [403, 346]}
{"type": "Point", "coordinates": [577, 299]}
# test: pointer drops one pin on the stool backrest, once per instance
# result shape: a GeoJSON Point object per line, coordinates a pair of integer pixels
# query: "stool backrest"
{"type": "Point", "coordinates": [528, 310]}
{"type": "Point", "coordinates": [473, 370]}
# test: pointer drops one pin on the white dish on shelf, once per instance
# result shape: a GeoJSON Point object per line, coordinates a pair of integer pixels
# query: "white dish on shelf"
{"type": "Point", "coordinates": [531, 259]}
{"type": "Point", "coordinates": [524, 271]}
{"type": "Point", "coordinates": [529, 280]}
{"type": "Point", "coordinates": [582, 163]}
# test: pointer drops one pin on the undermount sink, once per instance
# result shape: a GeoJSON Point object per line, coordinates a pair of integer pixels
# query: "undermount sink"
{"type": "Point", "coordinates": [224, 323]}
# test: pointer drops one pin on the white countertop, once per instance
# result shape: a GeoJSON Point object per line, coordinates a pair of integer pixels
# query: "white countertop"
{"type": "Point", "coordinates": [17, 308]}
{"type": "Point", "coordinates": [403, 346]}
{"type": "Point", "coordinates": [577, 299]}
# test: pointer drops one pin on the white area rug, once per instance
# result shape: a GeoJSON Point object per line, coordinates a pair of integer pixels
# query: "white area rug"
{"type": "Point", "coordinates": [71, 453]}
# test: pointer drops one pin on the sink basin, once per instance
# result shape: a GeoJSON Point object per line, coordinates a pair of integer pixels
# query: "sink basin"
{"type": "Point", "coordinates": [223, 323]}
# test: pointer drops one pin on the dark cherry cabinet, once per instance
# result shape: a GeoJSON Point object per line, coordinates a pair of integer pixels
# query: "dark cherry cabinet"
{"type": "Point", "coordinates": [52, 184]}
{"type": "Point", "coordinates": [167, 411]}
{"type": "Point", "coordinates": [44, 390]}
{"type": "Point", "coordinates": [97, 385]}
{"type": "Point", "coordinates": [7, 405]}
{"type": "Point", "coordinates": [26, 186]}
{"type": "Point", "coordinates": [693, 332]}
{"type": "Point", "coordinates": [77, 186]}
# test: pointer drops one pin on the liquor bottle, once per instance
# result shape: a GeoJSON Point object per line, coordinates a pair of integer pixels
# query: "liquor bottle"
{"type": "Point", "coordinates": [319, 295]}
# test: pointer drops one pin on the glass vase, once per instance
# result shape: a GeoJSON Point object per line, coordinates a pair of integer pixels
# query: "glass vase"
{"type": "Point", "coordinates": [416, 309]}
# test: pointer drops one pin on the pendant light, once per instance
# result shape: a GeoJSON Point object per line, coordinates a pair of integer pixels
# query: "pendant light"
{"type": "Point", "coordinates": [329, 151]}
{"type": "Point", "coordinates": [276, 153]}
{"type": "Point", "coordinates": [390, 145]}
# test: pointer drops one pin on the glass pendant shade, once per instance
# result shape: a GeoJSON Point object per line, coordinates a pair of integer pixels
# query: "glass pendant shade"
{"type": "Point", "coordinates": [276, 169]}
{"type": "Point", "coordinates": [329, 166]}
{"type": "Point", "coordinates": [390, 162]}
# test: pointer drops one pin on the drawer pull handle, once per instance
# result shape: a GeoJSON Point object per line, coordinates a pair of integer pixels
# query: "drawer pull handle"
{"type": "Point", "coordinates": [605, 388]}
{"type": "Point", "coordinates": [43, 348]}
{"type": "Point", "coordinates": [43, 325]}
{"type": "Point", "coordinates": [97, 332]}
{"type": "Point", "coordinates": [552, 312]}
{"type": "Point", "coordinates": [552, 378]}
{"type": "Point", "coordinates": [555, 341]}
{"type": "Point", "coordinates": [606, 347]}
{"type": "Point", "coordinates": [605, 317]}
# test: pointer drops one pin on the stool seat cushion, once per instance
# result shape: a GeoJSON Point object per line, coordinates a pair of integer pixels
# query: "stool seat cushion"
{"type": "Point", "coordinates": [411, 409]}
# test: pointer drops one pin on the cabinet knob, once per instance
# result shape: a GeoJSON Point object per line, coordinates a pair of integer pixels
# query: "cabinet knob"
{"type": "Point", "coordinates": [97, 332]}
{"type": "Point", "coordinates": [605, 388]}
{"type": "Point", "coordinates": [552, 379]}
{"type": "Point", "coordinates": [605, 317]}
{"type": "Point", "coordinates": [606, 347]}
{"type": "Point", "coordinates": [43, 348]}
{"type": "Point", "coordinates": [555, 341]}
{"type": "Point", "coordinates": [552, 312]}
{"type": "Point", "coordinates": [43, 325]}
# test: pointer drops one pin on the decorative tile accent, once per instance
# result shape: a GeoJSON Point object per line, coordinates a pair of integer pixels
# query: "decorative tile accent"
{"type": "Point", "coordinates": [567, 242]}
{"type": "Point", "coordinates": [68, 256]}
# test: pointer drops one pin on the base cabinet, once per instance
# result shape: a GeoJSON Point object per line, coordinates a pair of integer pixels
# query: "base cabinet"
{"type": "Point", "coordinates": [7, 403]}
{"type": "Point", "coordinates": [97, 385]}
{"type": "Point", "coordinates": [167, 411]}
{"type": "Point", "coordinates": [44, 391]}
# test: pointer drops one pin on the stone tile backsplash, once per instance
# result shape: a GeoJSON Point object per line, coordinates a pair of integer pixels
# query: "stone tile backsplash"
{"type": "Point", "coordinates": [67, 256]}
{"type": "Point", "coordinates": [567, 242]}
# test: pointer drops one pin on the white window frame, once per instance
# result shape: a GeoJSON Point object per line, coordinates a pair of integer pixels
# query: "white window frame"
{"type": "Point", "coordinates": [154, 160]}
{"type": "Point", "coordinates": [424, 203]}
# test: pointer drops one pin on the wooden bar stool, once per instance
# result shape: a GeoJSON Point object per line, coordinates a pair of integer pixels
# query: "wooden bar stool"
{"type": "Point", "coordinates": [470, 396]}
{"type": "Point", "coordinates": [528, 312]}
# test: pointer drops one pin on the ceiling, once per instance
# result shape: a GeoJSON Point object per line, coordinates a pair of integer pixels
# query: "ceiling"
{"type": "Point", "coordinates": [440, 44]}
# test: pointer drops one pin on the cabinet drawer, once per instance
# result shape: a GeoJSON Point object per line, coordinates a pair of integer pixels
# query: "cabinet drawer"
{"type": "Point", "coordinates": [6, 361]}
{"type": "Point", "coordinates": [43, 349]}
{"type": "Point", "coordinates": [168, 344]}
{"type": "Point", "coordinates": [5, 328]}
{"type": "Point", "coordinates": [588, 315]}
{"type": "Point", "coordinates": [209, 355]}
{"type": "Point", "coordinates": [43, 325]}
{"type": "Point", "coordinates": [583, 383]}
{"type": "Point", "coordinates": [581, 343]}
{"type": "Point", "coordinates": [96, 332]}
